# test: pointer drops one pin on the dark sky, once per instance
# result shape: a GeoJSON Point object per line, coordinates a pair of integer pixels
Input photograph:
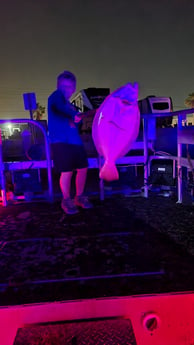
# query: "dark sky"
{"type": "Point", "coordinates": [106, 43]}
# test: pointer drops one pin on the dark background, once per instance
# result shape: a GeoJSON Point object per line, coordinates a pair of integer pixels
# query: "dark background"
{"type": "Point", "coordinates": [106, 43]}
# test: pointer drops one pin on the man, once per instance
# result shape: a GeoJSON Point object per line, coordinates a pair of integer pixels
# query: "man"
{"type": "Point", "coordinates": [68, 151]}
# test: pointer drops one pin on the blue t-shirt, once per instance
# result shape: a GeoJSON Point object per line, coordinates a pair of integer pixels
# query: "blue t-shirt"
{"type": "Point", "coordinates": [61, 124]}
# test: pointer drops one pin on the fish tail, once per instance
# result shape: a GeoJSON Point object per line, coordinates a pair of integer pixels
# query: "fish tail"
{"type": "Point", "coordinates": [109, 172]}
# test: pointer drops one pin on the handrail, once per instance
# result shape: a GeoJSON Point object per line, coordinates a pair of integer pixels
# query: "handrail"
{"type": "Point", "coordinates": [172, 113]}
{"type": "Point", "coordinates": [48, 158]}
{"type": "Point", "coordinates": [2, 177]}
{"type": "Point", "coordinates": [181, 116]}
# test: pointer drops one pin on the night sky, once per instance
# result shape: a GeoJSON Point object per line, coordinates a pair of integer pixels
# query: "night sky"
{"type": "Point", "coordinates": [106, 43]}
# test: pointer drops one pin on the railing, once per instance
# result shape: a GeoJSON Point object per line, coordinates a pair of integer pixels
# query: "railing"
{"type": "Point", "coordinates": [147, 118]}
{"type": "Point", "coordinates": [48, 159]}
{"type": "Point", "coordinates": [181, 114]}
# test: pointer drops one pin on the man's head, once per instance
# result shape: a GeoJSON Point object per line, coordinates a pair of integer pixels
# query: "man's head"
{"type": "Point", "coordinates": [66, 83]}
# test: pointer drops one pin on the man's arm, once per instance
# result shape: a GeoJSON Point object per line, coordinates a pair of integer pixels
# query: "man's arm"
{"type": "Point", "coordinates": [61, 107]}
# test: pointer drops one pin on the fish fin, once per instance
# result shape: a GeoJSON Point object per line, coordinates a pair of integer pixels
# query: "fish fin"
{"type": "Point", "coordinates": [109, 172]}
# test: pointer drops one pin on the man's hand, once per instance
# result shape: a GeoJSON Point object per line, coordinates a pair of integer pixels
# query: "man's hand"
{"type": "Point", "coordinates": [77, 118]}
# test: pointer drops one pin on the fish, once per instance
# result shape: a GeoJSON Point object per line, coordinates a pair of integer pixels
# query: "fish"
{"type": "Point", "coordinates": [115, 128]}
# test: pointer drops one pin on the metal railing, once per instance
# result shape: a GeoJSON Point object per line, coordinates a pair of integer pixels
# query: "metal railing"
{"type": "Point", "coordinates": [181, 115]}
{"type": "Point", "coordinates": [48, 158]}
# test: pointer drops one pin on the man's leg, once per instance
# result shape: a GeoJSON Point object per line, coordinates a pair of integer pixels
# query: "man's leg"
{"type": "Point", "coordinates": [65, 183]}
{"type": "Point", "coordinates": [67, 204]}
{"type": "Point", "coordinates": [80, 180]}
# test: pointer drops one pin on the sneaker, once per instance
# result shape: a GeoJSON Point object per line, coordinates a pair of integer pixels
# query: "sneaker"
{"type": "Point", "coordinates": [68, 206]}
{"type": "Point", "coordinates": [82, 201]}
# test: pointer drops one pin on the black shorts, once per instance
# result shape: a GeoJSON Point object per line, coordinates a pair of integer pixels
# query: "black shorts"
{"type": "Point", "coordinates": [68, 157]}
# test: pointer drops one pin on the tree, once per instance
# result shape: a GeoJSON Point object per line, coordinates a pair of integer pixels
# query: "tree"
{"type": "Point", "coordinates": [189, 101]}
{"type": "Point", "coordinates": [39, 112]}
